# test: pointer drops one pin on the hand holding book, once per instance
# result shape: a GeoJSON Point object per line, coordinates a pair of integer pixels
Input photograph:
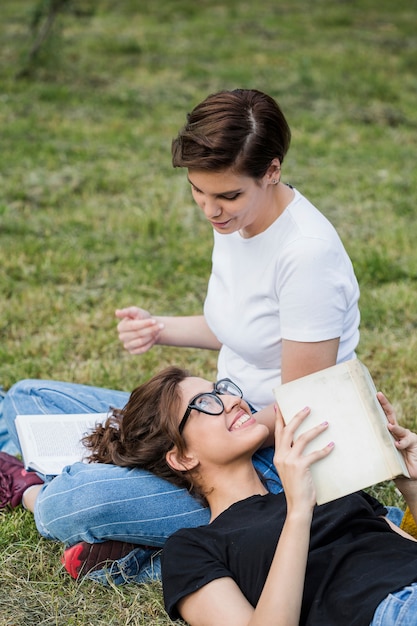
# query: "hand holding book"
{"type": "Point", "coordinates": [365, 453]}
{"type": "Point", "coordinates": [405, 440]}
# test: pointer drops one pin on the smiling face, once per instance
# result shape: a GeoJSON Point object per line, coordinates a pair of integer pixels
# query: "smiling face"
{"type": "Point", "coordinates": [219, 438]}
{"type": "Point", "coordinates": [234, 202]}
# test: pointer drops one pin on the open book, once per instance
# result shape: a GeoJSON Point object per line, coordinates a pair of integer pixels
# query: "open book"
{"type": "Point", "coordinates": [364, 452]}
{"type": "Point", "coordinates": [50, 442]}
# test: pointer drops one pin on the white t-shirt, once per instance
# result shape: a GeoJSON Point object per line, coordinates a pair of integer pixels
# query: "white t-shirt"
{"type": "Point", "coordinates": [293, 281]}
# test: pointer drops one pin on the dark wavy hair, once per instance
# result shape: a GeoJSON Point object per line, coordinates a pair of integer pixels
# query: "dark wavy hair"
{"type": "Point", "coordinates": [242, 130]}
{"type": "Point", "coordinates": [140, 434]}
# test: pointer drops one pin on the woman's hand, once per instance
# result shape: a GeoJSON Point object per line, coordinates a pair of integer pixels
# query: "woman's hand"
{"type": "Point", "coordinates": [405, 439]}
{"type": "Point", "coordinates": [138, 330]}
{"type": "Point", "coordinates": [292, 464]}
{"type": "Point", "coordinates": [406, 442]}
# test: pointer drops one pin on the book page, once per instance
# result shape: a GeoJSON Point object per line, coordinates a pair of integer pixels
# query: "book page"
{"type": "Point", "coordinates": [50, 442]}
{"type": "Point", "coordinates": [364, 452]}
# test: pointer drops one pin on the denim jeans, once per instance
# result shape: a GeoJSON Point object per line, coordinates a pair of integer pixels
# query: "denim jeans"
{"type": "Point", "coordinates": [398, 609]}
{"type": "Point", "coordinates": [31, 397]}
{"type": "Point", "coordinates": [142, 565]}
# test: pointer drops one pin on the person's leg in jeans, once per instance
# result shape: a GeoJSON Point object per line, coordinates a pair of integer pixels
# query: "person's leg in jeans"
{"type": "Point", "coordinates": [32, 397]}
{"type": "Point", "coordinates": [96, 502]}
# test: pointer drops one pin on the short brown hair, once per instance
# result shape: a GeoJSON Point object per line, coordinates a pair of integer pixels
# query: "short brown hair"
{"type": "Point", "coordinates": [243, 130]}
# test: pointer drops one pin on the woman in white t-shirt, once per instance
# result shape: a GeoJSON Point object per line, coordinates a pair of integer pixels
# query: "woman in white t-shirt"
{"type": "Point", "coordinates": [282, 302]}
{"type": "Point", "coordinates": [282, 299]}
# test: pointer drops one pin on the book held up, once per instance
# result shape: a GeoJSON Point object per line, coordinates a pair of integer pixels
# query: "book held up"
{"type": "Point", "coordinates": [50, 442]}
{"type": "Point", "coordinates": [364, 452]}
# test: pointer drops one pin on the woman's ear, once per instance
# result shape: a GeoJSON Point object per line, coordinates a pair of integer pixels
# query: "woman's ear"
{"type": "Point", "coordinates": [273, 173]}
{"type": "Point", "coordinates": [181, 463]}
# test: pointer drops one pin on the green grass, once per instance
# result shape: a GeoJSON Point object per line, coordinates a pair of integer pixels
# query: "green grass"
{"type": "Point", "coordinates": [93, 217]}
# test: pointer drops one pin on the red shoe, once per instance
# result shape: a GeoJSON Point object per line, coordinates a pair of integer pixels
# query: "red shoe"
{"type": "Point", "coordinates": [14, 480]}
{"type": "Point", "coordinates": [84, 557]}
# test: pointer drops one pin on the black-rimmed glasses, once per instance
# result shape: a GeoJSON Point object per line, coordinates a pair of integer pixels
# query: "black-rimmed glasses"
{"type": "Point", "coordinates": [209, 401]}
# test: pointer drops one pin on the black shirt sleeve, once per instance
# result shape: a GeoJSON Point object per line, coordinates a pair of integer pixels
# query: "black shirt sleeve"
{"type": "Point", "coordinates": [187, 566]}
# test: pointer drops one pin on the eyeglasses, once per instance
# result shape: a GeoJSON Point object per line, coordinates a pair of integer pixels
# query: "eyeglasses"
{"type": "Point", "coordinates": [209, 401]}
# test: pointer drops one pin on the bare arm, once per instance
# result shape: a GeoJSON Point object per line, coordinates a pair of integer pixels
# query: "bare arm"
{"type": "Point", "coordinates": [187, 332]}
{"type": "Point", "coordinates": [139, 331]}
{"type": "Point", "coordinates": [300, 358]}
{"type": "Point", "coordinates": [221, 602]}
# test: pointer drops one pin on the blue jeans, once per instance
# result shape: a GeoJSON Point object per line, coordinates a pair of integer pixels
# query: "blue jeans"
{"type": "Point", "coordinates": [48, 396]}
{"type": "Point", "coordinates": [398, 609]}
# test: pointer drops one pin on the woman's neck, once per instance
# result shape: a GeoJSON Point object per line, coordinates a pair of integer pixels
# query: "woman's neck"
{"type": "Point", "coordinates": [230, 485]}
{"type": "Point", "coordinates": [279, 197]}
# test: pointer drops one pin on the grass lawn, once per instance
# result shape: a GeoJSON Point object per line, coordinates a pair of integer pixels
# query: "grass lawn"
{"type": "Point", "coordinates": [93, 217]}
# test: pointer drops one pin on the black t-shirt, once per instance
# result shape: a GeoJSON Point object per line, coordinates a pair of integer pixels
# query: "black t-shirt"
{"type": "Point", "coordinates": [355, 559]}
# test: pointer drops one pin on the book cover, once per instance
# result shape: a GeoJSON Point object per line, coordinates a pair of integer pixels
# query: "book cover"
{"type": "Point", "coordinates": [364, 452]}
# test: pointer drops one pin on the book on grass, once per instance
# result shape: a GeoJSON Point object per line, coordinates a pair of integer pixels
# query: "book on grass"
{"type": "Point", "coordinates": [364, 452]}
{"type": "Point", "coordinates": [50, 442]}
